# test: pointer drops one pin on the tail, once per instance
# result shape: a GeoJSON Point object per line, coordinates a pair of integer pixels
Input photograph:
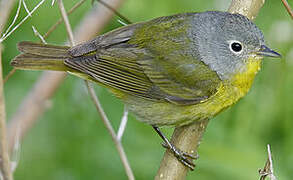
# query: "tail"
{"type": "Point", "coordinates": [37, 56]}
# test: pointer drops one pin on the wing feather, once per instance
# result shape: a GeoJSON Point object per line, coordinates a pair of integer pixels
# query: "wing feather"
{"type": "Point", "coordinates": [156, 66]}
{"type": "Point", "coordinates": [112, 75]}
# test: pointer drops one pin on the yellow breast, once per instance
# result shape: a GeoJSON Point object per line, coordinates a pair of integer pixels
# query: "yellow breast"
{"type": "Point", "coordinates": [228, 93]}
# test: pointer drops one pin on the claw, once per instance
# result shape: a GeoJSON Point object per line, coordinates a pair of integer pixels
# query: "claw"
{"type": "Point", "coordinates": [191, 156]}
{"type": "Point", "coordinates": [184, 157]}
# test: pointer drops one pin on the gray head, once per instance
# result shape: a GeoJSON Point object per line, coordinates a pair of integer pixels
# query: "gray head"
{"type": "Point", "coordinates": [225, 41]}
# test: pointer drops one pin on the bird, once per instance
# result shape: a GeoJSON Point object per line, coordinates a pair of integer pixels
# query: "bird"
{"type": "Point", "coordinates": [168, 71]}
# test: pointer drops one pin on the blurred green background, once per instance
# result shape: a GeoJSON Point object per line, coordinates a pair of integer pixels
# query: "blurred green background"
{"type": "Point", "coordinates": [69, 142]}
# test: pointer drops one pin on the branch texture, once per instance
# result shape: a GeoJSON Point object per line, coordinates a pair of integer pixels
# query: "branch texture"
{"type": "Point", "coordinates": [248, 8]}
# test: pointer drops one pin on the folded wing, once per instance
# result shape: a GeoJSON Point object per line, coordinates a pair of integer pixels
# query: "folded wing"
{"type": "Point", "coordinates": [150, 60]}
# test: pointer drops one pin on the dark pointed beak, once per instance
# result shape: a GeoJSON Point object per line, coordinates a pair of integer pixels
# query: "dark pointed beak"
{"type": "Point", "coordinates": [265, 51]}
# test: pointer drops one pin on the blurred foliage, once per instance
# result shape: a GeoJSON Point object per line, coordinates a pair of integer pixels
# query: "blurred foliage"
{"type": "Point", "coordinates": [70, 142]}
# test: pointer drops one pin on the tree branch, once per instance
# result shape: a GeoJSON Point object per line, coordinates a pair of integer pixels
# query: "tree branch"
{"type": "Point", "coordinates": [5, 170]}
{"type": "Point", "coordinates": [66, 22]}
{"type": "Point", "coordinates": [288, 8]}
{"type": "Point", "coordinates": [5, 165]}
{"type": "Point", "coordinates": [187, 138]}
{"type": "Point", "coordinates": [248, 8]}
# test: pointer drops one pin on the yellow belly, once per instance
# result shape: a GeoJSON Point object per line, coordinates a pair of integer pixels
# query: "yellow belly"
{"type": "Point", "coordinates": [162, 113]}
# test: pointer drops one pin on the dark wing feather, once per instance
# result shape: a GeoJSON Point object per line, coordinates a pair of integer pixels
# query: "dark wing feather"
{"type": "Point", "coordinates": [117, 76]}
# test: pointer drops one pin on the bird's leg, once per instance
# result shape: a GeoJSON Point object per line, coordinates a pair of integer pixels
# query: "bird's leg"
{"type": "Point", "coordinates": [183, 157]}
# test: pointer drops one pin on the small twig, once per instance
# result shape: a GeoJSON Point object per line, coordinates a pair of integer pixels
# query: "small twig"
{"type": "Point", "coordinates": [52, 28]}
{"type": "Point", "coordinates": [97, 102]}
{"type": "Point", "coordinates": [127, 21]}
{"type": "Point", "coordinates": [53, 2]}
{"type": "Point", "coordinates": [14, 19]}
{"type": "Point", "coordinates": [66, 22]}
{"type": "Point", "coordinates": [272, 176]}
{"type": "Point", "coordinates": [36, 32]}
{"type": "Point", "coordinates": [9, 75]}
{"type": "Point", "coordinates": [22, 21]}
{"type": "Point", "coordinates": [8, 29]}
{"type": "Point", "coordinates": [123, 123]}
{"type": "Point", "coordinates": [268, 170]}
{"type": "Point", "coordinates": [26, 9]}
{"type": "Point", "coordinates": [108, 125]}
{"type": "Point", "coordinates": [42, 38]}
{"type": "Point", "coordinates": [121, 22]}
{"type": "Point", "coordinates": [288, 8]}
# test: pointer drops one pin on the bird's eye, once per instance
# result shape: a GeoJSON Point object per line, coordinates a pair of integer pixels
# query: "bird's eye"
{"type": "Point", "coordinates": [236, 46]}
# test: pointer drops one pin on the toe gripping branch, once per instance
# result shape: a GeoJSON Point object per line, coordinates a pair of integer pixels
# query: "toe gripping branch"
{"type": "Point", "coordinates": [185, 158]}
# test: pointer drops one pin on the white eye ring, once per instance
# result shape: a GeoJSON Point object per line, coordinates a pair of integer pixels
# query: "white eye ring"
{"type": "Point", "coordinates": [236, 47]}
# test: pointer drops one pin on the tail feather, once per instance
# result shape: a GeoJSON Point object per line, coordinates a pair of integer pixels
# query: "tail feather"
{"type": "Point", "coordinates": [36, 62]}
{"type": "Point", "coordinates": [43, 49]}
{"type": "Point", "coordinates": [37, 56]}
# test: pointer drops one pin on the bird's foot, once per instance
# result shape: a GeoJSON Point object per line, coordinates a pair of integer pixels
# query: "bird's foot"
{"type": "Point", "coordinates": [184, 157]}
